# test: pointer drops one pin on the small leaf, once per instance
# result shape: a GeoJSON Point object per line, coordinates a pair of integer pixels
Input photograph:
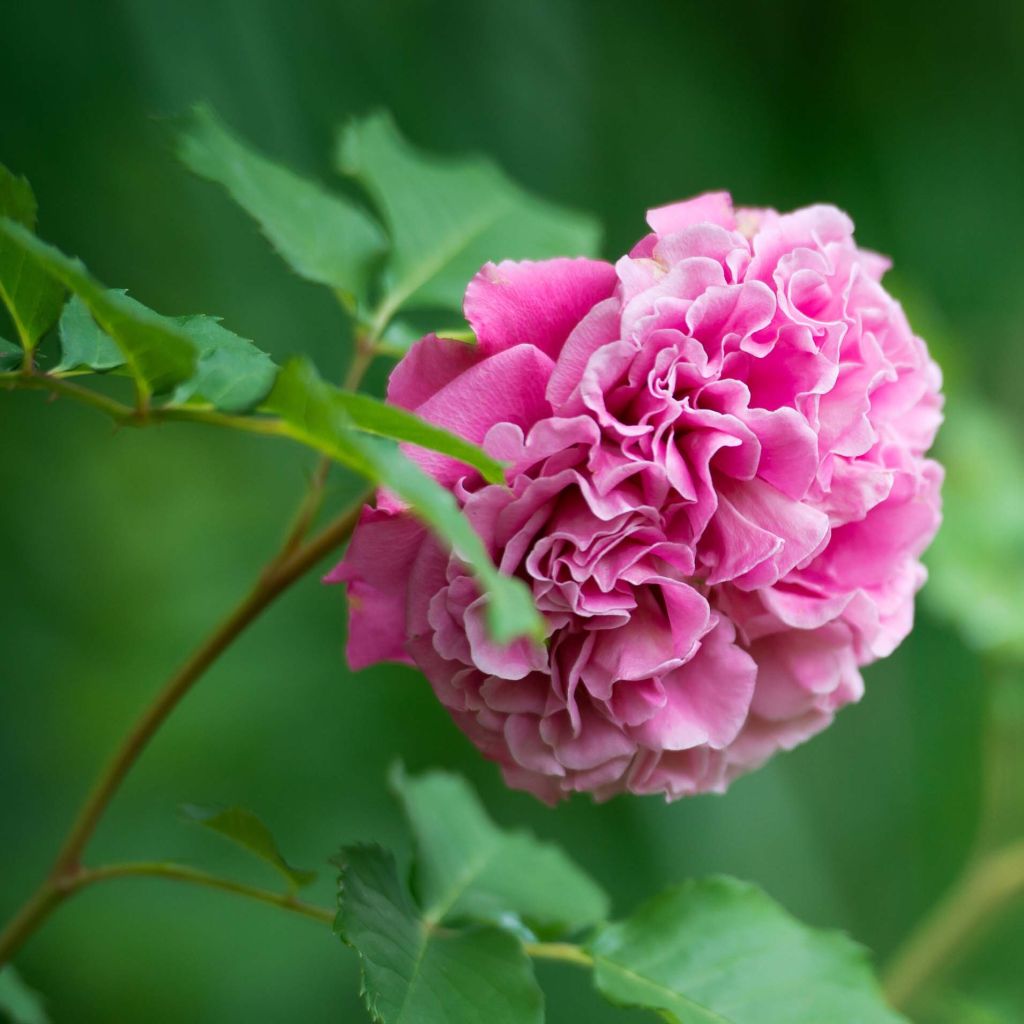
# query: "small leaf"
{"type": "Point", "coordinates": [468, 869]}
{"type": "Point", "coordinates": [83, 342]}
{"type": "Point", "coordinates": [720, 951]}
{"type": "Point", "coordinates": [447, 218]}
{"type": "Point", "coordinates": [245, 829]}
{"type": "Point", "coordinates": [314, 413]}
{"type": "Point", "coordinates": [413, 974]}
{"type": "Point", "coordinates": [323, 237]}
{"type": "Point", "coordinates": [18, 1003]}
{"type": "Point", "coordinates": [376, 417]}
{"type": "Point", "coordinates": [158, 353]}
{"type": "Point", "coordinates": [232, 373]}
{"type": "Point", "coordinates": [10, 355]}
{"type": "Point", "coordinates": [31, 296]}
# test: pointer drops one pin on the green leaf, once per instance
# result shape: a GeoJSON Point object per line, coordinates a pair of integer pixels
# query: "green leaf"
{"type": "Point", "coordinates": [323, 237]}
{"type": "Point", "coordinates": [18, 1003]}
{"type": "Point", "coordinates": [447, 218]}
{"type": "Point", "coordinates": [467, 869]}
{"type": "Point", "coordinates": [376, 417]}
{"type": "Point", "coordinates": [314, 413]}
{"type": "Point", "coordinates": [720, 951]}
{"type": "Point", "coordinates": [977, 559]}
{"type": "Point", "coordinates": [232, 373]}
{"type": "Point", "coordinates": [245, 829]}
{"type": "Point", "coordinates": [83, 342]}
{"type": "Point", "coordinates": [158, 353]}
{"type": "Point", "coordinates": [32, 297]}
{"type": "Point", "coordinates": [413, 974]}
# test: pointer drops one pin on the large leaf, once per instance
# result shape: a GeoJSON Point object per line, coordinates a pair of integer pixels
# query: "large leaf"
{"type": "Point", "coordinates": [323, 237]}
{"type": "Point", "coordinates": [977, 560]}
{"type": "Point", "coordinates": [375, 417]}
{"type": "Point", "coordinates": [468, 869]}
{"type": "Point", "coordinates": [447, 218]}
{"type": "Point", "coordinates": [232, 373]}
{"type": "Point", "coordinates": [413, 974]}
{"type": "Point", "coordinates": [158, 353]}
{"type": "Point", "coordinates": [722, 952]}
{"type": "Point", "coordinates": [245, 828]}
{"type": "Point", "coordinates": [32, 297]}
{"type": "Point", "coordinates": [18, 1003]}
{"type": "Point", "coordinates": [314, 413]}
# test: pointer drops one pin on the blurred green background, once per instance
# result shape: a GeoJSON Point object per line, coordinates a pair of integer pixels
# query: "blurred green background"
{"type": "Point", "coordinates": [120, 549]}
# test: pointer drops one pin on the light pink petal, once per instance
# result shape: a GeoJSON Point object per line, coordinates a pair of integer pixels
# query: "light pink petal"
{"type": "Point", "coordinates": [713, 207]}
{"type": "Point", "coordinates": [707, 699]}
{"type": "Point", "coordinates": [804, 670]}
{"type": "Point", "coordinates": [801, 529]}
{"type": "Point", "coordinates": [510, 661]}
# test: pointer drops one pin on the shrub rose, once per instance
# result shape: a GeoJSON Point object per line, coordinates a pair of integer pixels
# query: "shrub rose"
{"type": "Point", "coordinates": [716, 489]}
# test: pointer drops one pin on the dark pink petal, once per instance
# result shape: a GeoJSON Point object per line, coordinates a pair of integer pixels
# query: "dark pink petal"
{"type": "Point", "coordinates": [431, 364]}
{"type": "Point", "coordinates": [375, 571]}
{"type": "Point", "coordinates": [537, 304]}
{"type": "Point", "coordinates": [506, 388]}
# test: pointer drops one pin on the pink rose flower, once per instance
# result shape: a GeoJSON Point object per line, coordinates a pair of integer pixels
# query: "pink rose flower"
{"type": "Point", "coordinates": [716, 489]}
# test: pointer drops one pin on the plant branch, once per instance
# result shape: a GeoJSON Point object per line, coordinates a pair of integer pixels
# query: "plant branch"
{"type": "Point", "coordinates": [56, 891]}
{"type": "Point", "coordinates": [193, 876]}
{"type": "Point", "coordinates": [981, 894]}
{"type": "Point", "coordinates": [282, 571]}
{"type": "Point", "coordinates": [131, 416]}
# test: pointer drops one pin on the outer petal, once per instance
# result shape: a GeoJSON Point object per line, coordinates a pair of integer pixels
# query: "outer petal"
{"type": "Point", "coordinates": [431, 364]}
{"type": "Point", "coordinates": [376, 570]}
{"type": "Point", "coordinates": [539, 304]}
{"type": "Point", "coordinates": [715, 207]}
{"type": "Point", "coordinates": [505, 388]}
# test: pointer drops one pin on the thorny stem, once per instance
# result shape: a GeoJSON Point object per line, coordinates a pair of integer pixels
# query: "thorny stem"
{"type": "Point", "coordinates": [56, 891]}
{"type": "Point", "coordinates": [130, 416]}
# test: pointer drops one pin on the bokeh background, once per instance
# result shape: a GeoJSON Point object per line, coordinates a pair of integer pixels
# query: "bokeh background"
{"type": "Point", "coordinates": [121, 548]}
